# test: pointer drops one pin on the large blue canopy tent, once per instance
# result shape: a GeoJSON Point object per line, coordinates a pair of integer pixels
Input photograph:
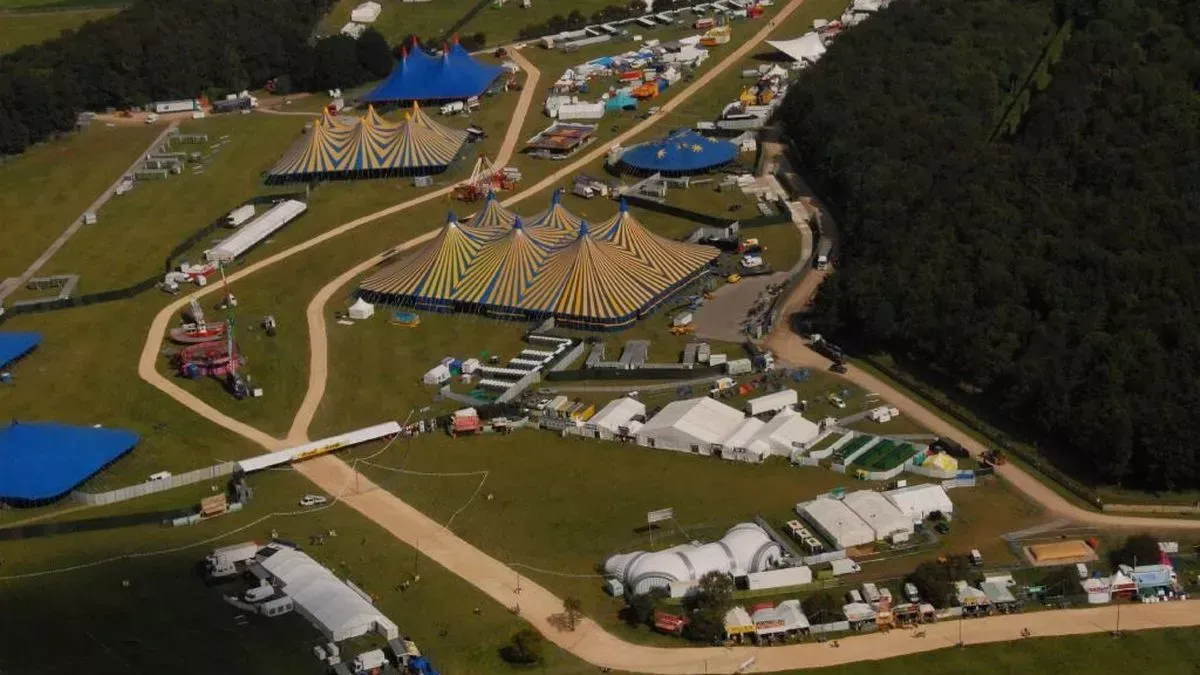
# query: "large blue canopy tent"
{"type": "Point", "coordinates": [14, 345]}
{"type": "Point", "coordinates": [679, 154]}
{"type": "Point", "coordinates": [43, 461]}
{"type": "Point", "coordinates": [420, 76]}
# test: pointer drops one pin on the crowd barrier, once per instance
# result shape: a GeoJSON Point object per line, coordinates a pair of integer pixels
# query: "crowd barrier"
{"type": "Point", "coordinates": [151, 487]}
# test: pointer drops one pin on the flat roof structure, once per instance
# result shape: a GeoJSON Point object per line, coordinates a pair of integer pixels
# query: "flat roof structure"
{"type": "Point", "coordinates": [16, 344]}
{"type": "Point", "coordinates": [43, 461]}
{"type": "Point", "coordinates": [562, 138]}
{"type": "Point", "coordinates": [878, 513]}
{"type": "Point", "coordinates": [836, 522]}
{"type": "Point", "coordinates": [1060, 553]}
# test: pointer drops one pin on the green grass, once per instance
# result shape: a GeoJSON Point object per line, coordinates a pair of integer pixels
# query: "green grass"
{"type": "Point", "coordinates": [18, 29]}
{"type": "Point", "coordinates": [50, 185]}
{"type": "Point", "coordinates": [169, 620]}
{"type": "Point", "coordinates": [556, 526]}
{"type": "Point", "coordinates": [60, 4]}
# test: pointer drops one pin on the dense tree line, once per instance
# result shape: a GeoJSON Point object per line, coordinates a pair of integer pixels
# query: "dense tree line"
{"type": "Point", "coordinates": [164, 49]}
{"type": "Point", "coordinates": [1052, 270]}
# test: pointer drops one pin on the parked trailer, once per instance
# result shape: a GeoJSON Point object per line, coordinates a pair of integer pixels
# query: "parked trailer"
{"type": "Point", "coordinates": [823, 253]}
{"type": "Point", "coordinates": [772, 402]}
{"type": "Point", "coordinates": [256, 231]}
{"type": "Point", "coordinates": [240, 215]}
{"type": "Point", "coordinates": [187, 105]}
{"type": "Point", "coordinates": [325, 445]}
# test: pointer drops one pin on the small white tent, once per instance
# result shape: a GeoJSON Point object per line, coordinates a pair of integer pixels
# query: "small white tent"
{"type": "Point", "coordinates": [437, 375]}
{"type": "Point", "coordinates": [366, 12]}
{"type": "Point", "coordinates": [361, 309]}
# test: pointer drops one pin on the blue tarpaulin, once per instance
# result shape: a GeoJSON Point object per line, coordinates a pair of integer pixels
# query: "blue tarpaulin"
{"type": "Point", "coordinates": [14, 345]}
{"type": "Point", "coordinates": [683, 152]}
{"type": "Point", "coordinates": [40, 461]}
{"type": "Point", "coordinates": [421, 77]}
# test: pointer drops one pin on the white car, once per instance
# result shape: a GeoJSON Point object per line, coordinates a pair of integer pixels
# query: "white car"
{"type": "Point", "coordinates": [313, 500]}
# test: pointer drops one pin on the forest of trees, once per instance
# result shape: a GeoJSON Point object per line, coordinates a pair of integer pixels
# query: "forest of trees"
{"type": "Point", "coordinates": [164, 49]}
{"type": "Point", "coordinates": [1055, 270]}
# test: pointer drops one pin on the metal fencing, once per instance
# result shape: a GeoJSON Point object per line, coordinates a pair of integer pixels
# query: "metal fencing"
{"type": "Point", "coordinates": [151, 487]}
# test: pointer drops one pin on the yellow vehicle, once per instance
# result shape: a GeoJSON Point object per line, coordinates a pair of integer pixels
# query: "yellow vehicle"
{"type": "Point", "coordinates": [683, 330]}
{"type": "Point", "coordinates": [734, 278]}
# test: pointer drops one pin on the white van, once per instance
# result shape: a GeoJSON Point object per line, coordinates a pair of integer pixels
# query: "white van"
{"type": "Point", "coordinates": [161, 475]}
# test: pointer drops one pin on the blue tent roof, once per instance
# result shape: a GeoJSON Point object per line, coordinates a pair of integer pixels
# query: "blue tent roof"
{"type": "Point", "coordinates": [679, 153]}
{"type": "Point", "coordinates": [422, 77]}
{"type": "Point", "coordinates": [14, 345]}
{"type": "Point", "coordinates": [45, 460]}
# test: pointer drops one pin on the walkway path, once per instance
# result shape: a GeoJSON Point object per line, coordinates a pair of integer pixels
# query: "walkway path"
{"type": "Point", "coordinates": [8, 286]}
{"type": "Point", "coordinates": [590, 642]}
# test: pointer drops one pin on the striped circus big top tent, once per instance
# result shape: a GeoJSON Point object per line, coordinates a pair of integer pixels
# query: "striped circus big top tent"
{"type": "Point", "coordinates": [594, 276]}
{"type": "Point", "coordinates": [371, 146]}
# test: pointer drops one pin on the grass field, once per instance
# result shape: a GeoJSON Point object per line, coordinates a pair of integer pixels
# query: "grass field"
{"type": "Point", "coordinates": [168, 620]}
{"type": "Point", "coordinates": [18, 29]}
{"type": "Point", "coordinates": [49, 186]}
{"type": "Point", "coordinates": [597, 501]}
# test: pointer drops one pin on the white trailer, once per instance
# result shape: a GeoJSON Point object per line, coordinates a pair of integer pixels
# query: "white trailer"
{"type": "Point", "coordinates": [770, 403]}
{"type": "Point", "coordinates": [581, 111]}
{"type": "Point", "coordinates": [738, 367]}
{"type": "Point", "coordinates": [256, 231]}
{"type": "Point", "coordinates": [240, 215]}
{"type": "Point", "coordinates": [223, 562]}
{"type": "Point", "coordinates": [187, 105]}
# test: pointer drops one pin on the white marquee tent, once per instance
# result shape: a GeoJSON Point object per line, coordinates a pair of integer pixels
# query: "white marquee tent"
{"type": "Point", "coordinates": [333, 607]}
{"type": "Point", "coordinates": [808, 47]}
{"type": "Point", "coordinates": [366, 12]}
{"type": "Point", "coordinates": [884, 519]}
{"type": "Point", "coordinates": [836, 522]}
{"type": "Point", "coordinates": [786, 431]}
{"type": "Point", "coordinates": [694, 424]}
{"type": "Point", "coordinates": [361, 309]}
{"type": "Point", "coordinates": [919, 501]}
{"type": "Point", "coordinates": [616, 414]}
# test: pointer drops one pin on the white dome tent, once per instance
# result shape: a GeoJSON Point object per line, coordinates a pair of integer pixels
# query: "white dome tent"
{"type": "Point", "coordinates": [745, 548]}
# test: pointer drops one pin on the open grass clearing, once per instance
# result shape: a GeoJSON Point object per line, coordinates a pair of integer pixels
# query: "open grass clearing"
{"type": "Point", "coordinates": [595, 503]}
{"type": "Point", "coordinates": [20, 28]}
{"type": "Point", "coordinates": [168, 610]}
{"type": "Point", "coordinates": [43, 190]}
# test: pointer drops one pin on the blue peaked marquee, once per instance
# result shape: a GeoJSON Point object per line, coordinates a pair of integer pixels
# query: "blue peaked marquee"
{"type": "Point", "coordinates": [420, 76]}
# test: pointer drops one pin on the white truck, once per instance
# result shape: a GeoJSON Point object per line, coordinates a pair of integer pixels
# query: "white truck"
{"type": "Point", "coordinates": [240, 215]}
{"type": "Point", "coordinates": [224, 561]}
{"type": "Point", "coordinates": [823, 253]}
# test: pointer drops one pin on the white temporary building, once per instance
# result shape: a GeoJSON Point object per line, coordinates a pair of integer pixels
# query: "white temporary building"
{"type": "Point", "coordinates": [315, 448]}
{"type": "Point", "coordinates": [784, 398]}
{"type": "Point", "coordinates": [808, 47]}
{"type": "Point", "coordinates": [779, 578]}
{"type": "Point", "coordinates": [868, 6]}
{"type": "Point", "coordinates": [694, 424]}
{"type": "Point", "coordinates": [256, 230]}
{"type": "Point", "coordinates": [581, 111]}
{"type": "Point", "coordinates": [354, 30]}
{"type": "Point", "coordinates": [884, 519]}
{"type": "Point", "coordinates": [616, 414]}
{"type": "Point", "coordinates": [333, 607]}
{"type": "Point", "coordinates": [469, 366]}
{"type": "Point", "coordinates": [361, 309]}
{"type": "Point", "coordinates": [366, 12]}
{"type": "Point", "coordinates": [836, 522]}
{"type": "Point", "coordinates": [437, 374]}
{"type": "Point", "coordinates": [742, 444]}
{"type": "Point", "coordinates": [744, 549]}
{"type": "Point", "coordinates": [787, 431]}
{"type": "Point", "coordinates": [919, 501]}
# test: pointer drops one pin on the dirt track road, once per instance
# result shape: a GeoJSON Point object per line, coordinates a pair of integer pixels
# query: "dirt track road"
{"type": "Point", "coordinates": [536, 604]}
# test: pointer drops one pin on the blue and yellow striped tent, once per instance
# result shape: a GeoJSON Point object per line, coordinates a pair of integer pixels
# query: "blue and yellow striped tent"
{"type": "Point", "coordinates": [552, 264]}
{"type": "Point", "coordinates": [369, 147]}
